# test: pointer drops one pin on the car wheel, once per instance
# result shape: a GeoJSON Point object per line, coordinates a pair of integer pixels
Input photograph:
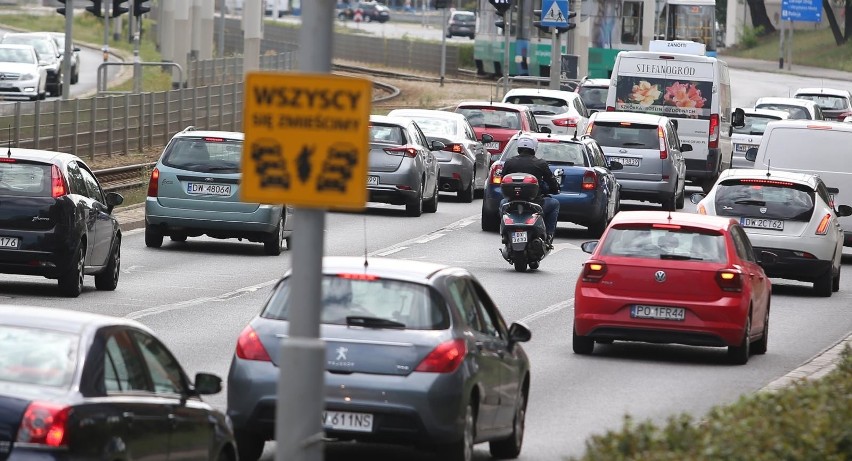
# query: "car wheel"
{"type": "Point", "coordinates": [510, 447]}
{"type": "Point", "coordinates": [107, 280]}
{"type": "Point", "coordinates": [431, 205]}
{"type": "Point", "coordinates": [582, 344]}
{"type": "Point", "coordinates": [759, 346]}
{"type": "Point", "coordinates": [835, 282]}
{"type": "Point", "coordinates": [519, 260]}
{"type": "Point", "coordinates": [414, 208]}
{"type": "Point", "coordinates": [823, 285]}
{"type": "Point", "coordinates": [463, 449]}
{"type": "Point", "coordinates": [153, 237]}
{"type": "Point", "coordinates": [738, 355]}
{"type": "Point", "coordinates": [534, 265]}
{"type": "Point", "coordinates": [472, 36]}
{"type": "Point", "coordinates": [669, 203]}
{"type": "Point", "coordinates": [274, 242]}
{"type": "Point", "coordinates": [177, 238]}
{"type": "Point", "coordinates": [597, 228]}
{"type": "Point", "coordinates": [43, 95]}
{"type": "Point", "coordinates": [71, 282]}
{"type": "Point", "coordinates": [681, 198]}
{"type": "Point", "coordinates": [489, 223]}
{"type": "Point", "coordinates": [466, 195]}
{"type": "Point", "coordinates": [249, 445]}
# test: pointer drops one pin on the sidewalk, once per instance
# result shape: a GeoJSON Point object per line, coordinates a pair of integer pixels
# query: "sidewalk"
{"type": "Point", "coordinates": [772, 67]}
{"type": "Point", "coordinates": [130, 217]}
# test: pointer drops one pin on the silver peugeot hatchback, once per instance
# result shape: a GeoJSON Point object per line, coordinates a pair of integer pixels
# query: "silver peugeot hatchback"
{"type": "Point", "coordinates": [195, 190]}
{"type": "Point", "coordinates": [416, 354]}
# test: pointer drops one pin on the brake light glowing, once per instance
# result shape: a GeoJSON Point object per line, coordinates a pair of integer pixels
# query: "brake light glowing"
{"type": "Point", "coordinates": [666, 226]}
{"type": "Point", "coordinates": [530, 179]}
{"type": "Point", "coordinates": [729, 280]}
{"type": "Point", "coordinates": [819, 127]}
{"type": "Point", "coordinates": [507, 220]}
{"type": "Point", "coordinates": [7, 160]}
{"type": "Point", "coordinates": [714, 131]}
{"type": "Point", "coordinates": [154, 183]}
{"type": "Point", "coordinates": [44, 424]}
{"type": "Point", "coordinates": [455, 148]}
{"type": "Point", "coordinates": [57, 183]}
{"type": "Point", "coordinates": [570, 122]}
{"type": "Point", "coordinates": [532, 219]}
{"type": "Point", "coordinates": [590, 180]}
{"type": "Point", "coordinates": [445, 358]}
{"type": "Point", "coordinates": [409, 152]}
{"type": "Point", "coordinates": [822, 229]}
{"type": "Point", "coordinates": [593, 271]}
{"type": "Point", "coordinates": [214, 139]}
{"type": "Point", "coordinates": [496, 173]}
{"type": "Point", "coordinates": [610, 109]}
{"type": "Point", "coordinates": [249, 346]}
{"type": "Point", "coordinates": [662, 137]}
{"type": "Point", "coordinates": [367, 277]}
{"type": "Point", "coordinates": [766, 182]}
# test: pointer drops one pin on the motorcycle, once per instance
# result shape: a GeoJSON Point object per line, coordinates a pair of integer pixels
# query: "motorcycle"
{"type": "Point", "coordinates": [522, 224]}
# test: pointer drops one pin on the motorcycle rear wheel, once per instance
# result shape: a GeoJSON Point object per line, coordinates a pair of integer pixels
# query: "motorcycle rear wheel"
{"type": "Point", "coordinates": [519, 259]}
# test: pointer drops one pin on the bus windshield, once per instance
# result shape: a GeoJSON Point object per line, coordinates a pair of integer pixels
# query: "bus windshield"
{"type": "Point", "coordinates": [689, 22]}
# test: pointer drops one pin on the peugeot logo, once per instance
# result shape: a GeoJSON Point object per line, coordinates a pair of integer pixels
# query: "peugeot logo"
{"type": "Point", "coordinates": [660, 276]}
{"type": "Point", "coordinates": [209, 179]}
{"type": "Point", "coordinates": [341, 353]}
{"type": "Point", "coordinates": [763, 210]}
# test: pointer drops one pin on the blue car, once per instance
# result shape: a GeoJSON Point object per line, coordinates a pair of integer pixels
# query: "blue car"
{"type": "Point", "coordinates": [589, 194]}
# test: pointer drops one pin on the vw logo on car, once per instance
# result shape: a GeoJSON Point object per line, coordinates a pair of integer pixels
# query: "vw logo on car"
{"type": "Point", "coordinates": [660, 276]}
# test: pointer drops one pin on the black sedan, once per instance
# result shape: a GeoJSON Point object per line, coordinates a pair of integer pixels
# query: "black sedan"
{"type": "Point", "coordinates": [56, 221]}
{"type": "Point", "coordinates": [82, 386]}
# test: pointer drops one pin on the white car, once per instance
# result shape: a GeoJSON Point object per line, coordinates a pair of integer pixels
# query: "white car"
{"type": "Point", "coordinates": [20, 73]}
{"type": "Point", "coordinates": [593, 92]}
{"type": "Point", "coordinates": [562, 111]}
{"type": "Point", "coordinates": [799, 109]}
{"type": "Point", "coordinates": [749, 135]}
{"type": "Point", "coordinates": [835, 104]}
{"type": "Point", "coordinates": [790, 215]}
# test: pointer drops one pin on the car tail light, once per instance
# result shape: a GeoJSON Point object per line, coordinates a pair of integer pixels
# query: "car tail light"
{"type": "Point", "coordinates": [589, 128]}
{"type": "Point", "coordinates": [495, 176]}
{"type": "Point", "coordinates": [664, 154]}
{"type": "Point", "coordinates": [590, 180]}
{"type": "Point", "coordinates": [57, 183]}
{"type": "Point", "coordinates": [367, 277]}
{"type": "Point", "coordinates": [7, 160]}
{"type": "Point", "coordinates": [455, 148]}
{"type": "Point", "coordinates": [570, 122]}
{"type": "Point", "coordinates": [507, 220]}
{"type": "Point", "coordinates": [532, 219]}
{"type": "Point", "coordinates": [154, 183]}
{"type": "Point", "coordinates": [594, 271]}
{"type": "Point", "coordinates": [249, 346]}
{"type": "Point", "coordinates": [822, 229]}
{"type": "Point", "coordinates": [44, 424]}
{"type": "Point", "coordinates": [610, 109]}
{"type": "Point", "coordinates": [843, 115]}
{"type": "Point", "coordinates": [402, 151]}
{"type": "Point", "coordinates": [701, 209]}
{"type": "Point", "coordinates": [445, 358]}
{"type": "Point", "coordinates": [804, 254]}
{"type": "Point", "coordinates": [714, 131]}
{"type": "Point", "coordinates": [729, 280]}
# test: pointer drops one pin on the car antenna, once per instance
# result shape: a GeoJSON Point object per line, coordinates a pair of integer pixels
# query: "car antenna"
{"type": "Point", "coordinates": [9, 143]}
{"type": "Point", "coordinates": [365, 244]}
{"type": "Point", "coordinates": [575, 133]}
{"type": "Point", "coordinates": [768, 162]}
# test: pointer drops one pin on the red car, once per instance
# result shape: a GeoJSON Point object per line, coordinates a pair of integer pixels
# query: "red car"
{"type": "Point", "coordinates": [681, 278]}
{"type": "Point", "coordinates": [499, 120]}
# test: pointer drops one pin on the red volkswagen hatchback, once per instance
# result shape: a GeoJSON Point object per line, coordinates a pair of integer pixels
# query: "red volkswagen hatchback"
{"type": "Point", "coordinates": [679, 278]}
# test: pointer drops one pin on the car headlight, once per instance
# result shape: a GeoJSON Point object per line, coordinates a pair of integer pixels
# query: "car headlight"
{"type": "Point", "coordinates": [28, 77]}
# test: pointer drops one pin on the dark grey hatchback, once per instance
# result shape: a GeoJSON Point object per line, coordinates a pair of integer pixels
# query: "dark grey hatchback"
{"type": "Point", "coordinates": [416, 354]}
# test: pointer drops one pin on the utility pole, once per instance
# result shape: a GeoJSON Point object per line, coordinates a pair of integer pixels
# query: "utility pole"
{"type": "Point", "coordinates": [507, 31]}
{"type": "Point", "coordinates": [443, 44]}
{"type": "Point", "coordinates": [69, 49]}
{"type": "Point", "coordinates": [253, 33]}
{"type": "Point", "coordinates": [220, 43]}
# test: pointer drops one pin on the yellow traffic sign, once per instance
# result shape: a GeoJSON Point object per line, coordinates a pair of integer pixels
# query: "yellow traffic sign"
{"type": "Point", "coordinates": [306, 139]}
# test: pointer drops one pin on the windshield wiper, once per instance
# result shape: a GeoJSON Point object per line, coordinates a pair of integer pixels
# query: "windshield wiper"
{"type": "Point", "coordinates": [640, 144]}
{"type": "Point", "coordinates": [372, 322]}
{"type": "Point", "coordinates": [221, 168]}
{"type": "Point", "coordinates": [680, 257]}
{"type": "Point", "coordinates": [750, 202]}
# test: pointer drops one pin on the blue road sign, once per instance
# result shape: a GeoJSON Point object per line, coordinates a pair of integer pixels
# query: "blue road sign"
{"type": "Point", "coordinates": [801, 10]}
{"type": "Point", "coordinates": [554, 13]}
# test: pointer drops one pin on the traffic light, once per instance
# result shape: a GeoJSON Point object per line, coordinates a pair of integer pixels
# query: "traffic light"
{"type": "Point", "coordinates": [559, 30]}
{"type": "Point", "coordinates": [61, 9]}
{"type": "Point", "coordinates": [502, 6]}
{"type": "Point", "coordinates": [118, 8]}
{"type": "Point", "coordinates": [140, 7]}
{"type": "Point", "coordinates": [96, 8]}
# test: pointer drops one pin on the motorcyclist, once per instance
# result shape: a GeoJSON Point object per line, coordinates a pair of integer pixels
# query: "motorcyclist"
{"type": "Point", "coordinates": [527, 162]}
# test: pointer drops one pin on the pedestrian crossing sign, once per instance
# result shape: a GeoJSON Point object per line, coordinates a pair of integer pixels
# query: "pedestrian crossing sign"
{"type": "Point", "coordinates": [554, 13]}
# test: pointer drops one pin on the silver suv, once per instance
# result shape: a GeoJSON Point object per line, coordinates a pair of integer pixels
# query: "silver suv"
{"type": "Point", "coordinates": [649, 149]}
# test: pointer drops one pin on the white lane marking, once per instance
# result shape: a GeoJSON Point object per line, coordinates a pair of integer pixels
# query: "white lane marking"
{"type": "Point", "coordinates": [391, 251]}
{"type": "Point", "coordinates": [428, 236]}
{"type": "Point", "coordinates": [557, 247]}
{"type": "Point", "coordinates": [194, 302]}
{"type": "Point", "coordinates": [548, 310]}
{"type": "Point", "coordinates": [431, 237]}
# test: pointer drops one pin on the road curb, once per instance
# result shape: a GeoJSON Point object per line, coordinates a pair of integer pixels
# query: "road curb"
{"type": "Point", "coordinates": [130, 217]}
{"type": "Point", "coordinates": [814, 368]}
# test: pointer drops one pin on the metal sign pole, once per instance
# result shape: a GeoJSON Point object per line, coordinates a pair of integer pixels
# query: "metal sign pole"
{"type": "Point", "coordinates": [137, 66]}
{"type": "Point", "coordinates": [443, 45]}
{"type": "Point", "coordinates": [106, 31]}
{"type": "Point", "coordinates": [555, 60]}
{"type": "Point", "coordinates": [69, 50]}
{"type": "Point", "coordinates": [507, 30]}
{"type": "Point", "coordinates": [298, 427]}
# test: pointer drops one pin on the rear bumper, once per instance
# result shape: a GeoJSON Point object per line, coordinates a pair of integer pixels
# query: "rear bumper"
{"type": "Point", "coordinates": [391, 194]}
{"type": "Point", "coordinates": [792, 267]}
{"type": "Point", "coordinates": [45, 254]}
{"type": "Point", "coordinates": [454, 175]}
{"type": "Point", "coordinates": [632, 189]}
{"type": "Point", "coordinates": [703, 168]}
{"type": "Point", "coordinates": [263, 220]}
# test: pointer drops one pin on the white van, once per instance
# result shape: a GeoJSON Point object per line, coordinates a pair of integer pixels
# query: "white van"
{"type": "Point", "coordinates": [694, 91]}
{"type": "Point", "coordinates": [812, 147]}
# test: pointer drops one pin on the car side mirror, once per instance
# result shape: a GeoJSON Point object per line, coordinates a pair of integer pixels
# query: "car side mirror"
{"type": "Point", "coordinates": [844, 210]}
{"type": "Point", "coordinates": [113, 199]}
{"type": "Point", "coordinates": [437, 145]}
{"type": "Point", "coordinates": [686, 147]}
{"type": "Point", "coordinates": [696, 197]}
{"type": "Point", "coordinates": [76, 49]}
{"type": "Point", "coordinates": [766, 257]}
{"type": "Point", "coordinates": [738, 118]}
{"type": "Point", "coordinates": [544, 129]}
{"type": "Point", "coordinates": [613, 165]}
{"type": "Point", "coordinates": [487, 138]}
{"type": "Point", "coordinates": [589, 247]}
{"type": "Point", "coordinates": [207, 384]}
{"type": "Point", "coordinates": [519, 333]}
{"type": "Point", "coordinates": [751, 154]}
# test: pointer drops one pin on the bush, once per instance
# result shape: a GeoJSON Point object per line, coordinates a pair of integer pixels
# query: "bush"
{"type": "Point", "coordinates": [466, 57]}
{"type": "Point", "coordinates": [749, 38]}
{"type": "Point", "coordinates": [811, 420]}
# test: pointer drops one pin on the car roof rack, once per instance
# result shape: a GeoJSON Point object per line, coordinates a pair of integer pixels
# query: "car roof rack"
{"type": "Point", "coordinates": [189, 128]}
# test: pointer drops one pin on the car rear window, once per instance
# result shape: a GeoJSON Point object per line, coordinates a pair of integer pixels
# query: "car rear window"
{"type": "Point", "coordinates": [552, 152]}
{"type": "Point", "coordinates": [42, 45]}
{"type": "Point", "coordinates": [25, 179]}
{"type": "Point", "coordinates": [387, 134]}
{"type": "Point", "coordinates": [204, 154]}
{"type": "Point", "coordinates": [755, 124]}
{"type": "Point", "coordinates": [435, 126]}
{"type": "Point", "coordinates": [417, 307]}
{"type": "Point", "coordinates": [796, 112]}
{"type": "Point", "coordinates": [490, 117]}
{"type": "Point", "coordinates": [626, 134]}
{"type": "Point", "coordinates": [17, 55]}
{"type": "Point", "coordinates": [540, 105]}
{"type": "Point", "coordinates": [665, 242]}
{"type": "Point", "coordinates": [594, 97]}
{"type": "Point", "coordinates": [464, 17]}
{"type": "Point", "coordinates": [769, 199]}
{"type": "Point", "coordinates": [37, 356]}
{"type": "Point", "coordinates": [825, 101]}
